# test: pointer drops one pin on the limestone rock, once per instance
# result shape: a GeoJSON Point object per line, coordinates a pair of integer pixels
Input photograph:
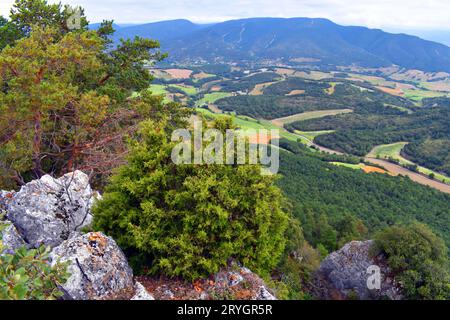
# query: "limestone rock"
{"type": "Point", "coordinates": [141, 293]}
{"type": "Point", "coordinates": [98, 268]}
{"type": "Point", "coordinates": [264, 294]}
{"type": "Point", "coordinates": [350, 273]}
{"type": "Point", "coordinates": [11, 238]}
{"type": "Point", "coordinates": [49, 211]}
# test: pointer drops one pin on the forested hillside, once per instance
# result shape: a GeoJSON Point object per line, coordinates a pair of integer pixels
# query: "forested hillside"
{"type": "Point", "coordinates": [327, 198]}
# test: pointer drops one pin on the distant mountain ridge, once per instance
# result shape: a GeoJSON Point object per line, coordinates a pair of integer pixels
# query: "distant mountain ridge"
{"type": "Point", "coordinates": [292, 39]}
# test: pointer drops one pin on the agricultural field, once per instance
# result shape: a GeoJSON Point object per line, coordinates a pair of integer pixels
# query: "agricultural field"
{"type": "Point", "coordinates": [419, 95]}
{"type": "Point", "coordinates": [158, 89]}
{"type": "Point", "coordinates": [311, 135]}
{"type": "Point", "coordinates": [202, 75]}
{"type": "Point", "coordinates": [295, 92]}
{"type": "Point", "coordinates": [211, 98]}
{"type": "Point", "coordinates": [179, 73]}
{"type": "Point", "coordinates": [309, 115]}
{"type": "Point", "coordinates": [388, 150]}
{"type": "Point", "coordinates": [259, 88]}
{"type": "Point", "coordinates": [393, 91]}
{"type": "Point", "coordinates": [441, 86]}
{"type": "Point", "coordinates": [247, 123]}
{"type": "Point", "coordinates": [403, 109]}
{"type": "Point", "coordinates": [361, 166]}
{"type": "Point", "coordinates": [331, 89]}
{"type": "Point", "coordinates": [393, 151]}
{"type": "Point", "coordinates": [306, 107]}
{"type": "Point", "coordinates": [189, 90]}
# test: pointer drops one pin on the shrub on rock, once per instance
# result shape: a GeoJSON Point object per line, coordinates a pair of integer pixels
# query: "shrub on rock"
{"type": "Point", "coordinates": [418, 258]}
{"type": "Point", "coordinates": [188, 220]}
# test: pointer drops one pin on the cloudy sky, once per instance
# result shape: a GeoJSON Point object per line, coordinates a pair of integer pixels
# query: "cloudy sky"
{"type": "Point", "coordinates": [385, 14]}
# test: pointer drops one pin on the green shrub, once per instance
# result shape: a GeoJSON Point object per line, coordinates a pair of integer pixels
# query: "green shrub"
{"type": "Point", "coordinates": [418, 259]}
{"type": "Point", "coordinates": [189, 220]}
{"type": "Point", "coordinates": [27, 274]}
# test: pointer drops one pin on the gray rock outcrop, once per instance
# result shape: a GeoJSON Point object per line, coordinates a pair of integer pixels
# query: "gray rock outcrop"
{"type": "Point", "coordinates": [11, 238]}
{"type": "Point", "coordinates": [352, 273]}
{"type": "Point", "coordinates": [99, 269]}
{"type": "Point", "coordinates": [49, 211]}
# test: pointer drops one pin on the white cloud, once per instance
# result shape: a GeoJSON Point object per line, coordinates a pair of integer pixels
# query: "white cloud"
{"type": "Point", "coordinates": [386, 14]}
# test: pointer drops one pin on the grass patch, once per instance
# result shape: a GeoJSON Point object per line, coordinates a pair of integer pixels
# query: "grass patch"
{"type": "Point", "coordinates": [311, 135]}
{"type": "Point", "coordinates": [189, 90]}
{"type": "Point", "coordinates": [212, 97]}
{"type": "Point", "coordinates": [418, 95]}
{"type": "Point", "coordinates": [310, 115]}
{"type": "Point", "coordinates": [393, 151]}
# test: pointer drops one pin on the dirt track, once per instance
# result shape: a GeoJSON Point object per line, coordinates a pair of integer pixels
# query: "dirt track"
{"type": "Point", "coordinates": [419, 178]}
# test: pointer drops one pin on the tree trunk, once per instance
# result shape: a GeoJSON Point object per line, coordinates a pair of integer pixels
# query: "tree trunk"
{"type": "Point", "coordinates": [37, 141]}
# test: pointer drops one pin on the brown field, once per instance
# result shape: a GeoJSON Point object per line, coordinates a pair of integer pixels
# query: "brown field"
{"type": "Point", "coordinates": [259, 88]}
{"type": "Point", "coordinates": [201, 75]}
{"type": "Point", "coordinates": [179, 73]}
{"type": "Point", "coordinates": [417, 177]}
{"type": "Point", "coordinates": [214, 108]}
{"type": "Point", "coordinates": [395, 92]}
{"type": "Point", "coordinates": [405, 86]}
{"type": "Point", "coordinates": [417, 75]}
{"type": "Point", "coordinates": [261, 139]}
{"type": "Point", "coordinates": [295, 92]}
{"type": "Point", "coordinates": [210, 84]}
{"type": "Point", "coordinates": [215, 88]}
{"type": "Point", "coordinates": [370, 169]}
{"type": "Point", "coordinates": [160, 74]}
{"type": "Point", "coordinates": [284, 71]}
{"type": "Point", "coordinates": [314, 75]}
{"type": "Point", "coordinates": [443, 86]}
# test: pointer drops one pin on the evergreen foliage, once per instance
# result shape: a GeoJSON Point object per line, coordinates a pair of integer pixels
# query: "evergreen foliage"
{"type": "Point", "coordinates": [189, 220]}
{"type": "Point", "coordinates": [418, 258]}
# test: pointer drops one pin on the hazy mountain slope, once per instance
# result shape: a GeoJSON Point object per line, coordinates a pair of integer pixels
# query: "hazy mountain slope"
{"type": "Point", "coordinates": [272, 38]}
{"type": "Point", "coordinates": [162, 31]}
{"type": "Point", "coordinates": [401, 49]}
{"type": "Point", "coordinates": [286, 39]}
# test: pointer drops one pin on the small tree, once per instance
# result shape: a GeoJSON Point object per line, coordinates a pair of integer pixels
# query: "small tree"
{"type": "Point", "coordinates": [65, 94]}
{"type": "Point", "coordinates": [189, 220]}
{"type": "Point", "coordinates": [418, 258]}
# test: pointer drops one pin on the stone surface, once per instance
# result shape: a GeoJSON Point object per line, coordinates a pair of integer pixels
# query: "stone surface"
{"type": "Point", "coordinates": [49, 211]}
{"type": "Point", "coordinates": [141, 293]}
{"type": "Point", "coordinates": [11, 238]}
{"type": "Point", "coordinates": [264, 294]}
{"type": "Point", "coordinates": [98, 268]}
{"type": "Point", "coordinates": [346, 273]}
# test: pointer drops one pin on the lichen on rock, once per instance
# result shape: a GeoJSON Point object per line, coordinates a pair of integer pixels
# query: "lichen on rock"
{"type": "Point", "coordinates": [98, 268]}
{"type": "Point", "coordinates": [49, 211]}
{"type": "Point", "coordinates": [344, 274]}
